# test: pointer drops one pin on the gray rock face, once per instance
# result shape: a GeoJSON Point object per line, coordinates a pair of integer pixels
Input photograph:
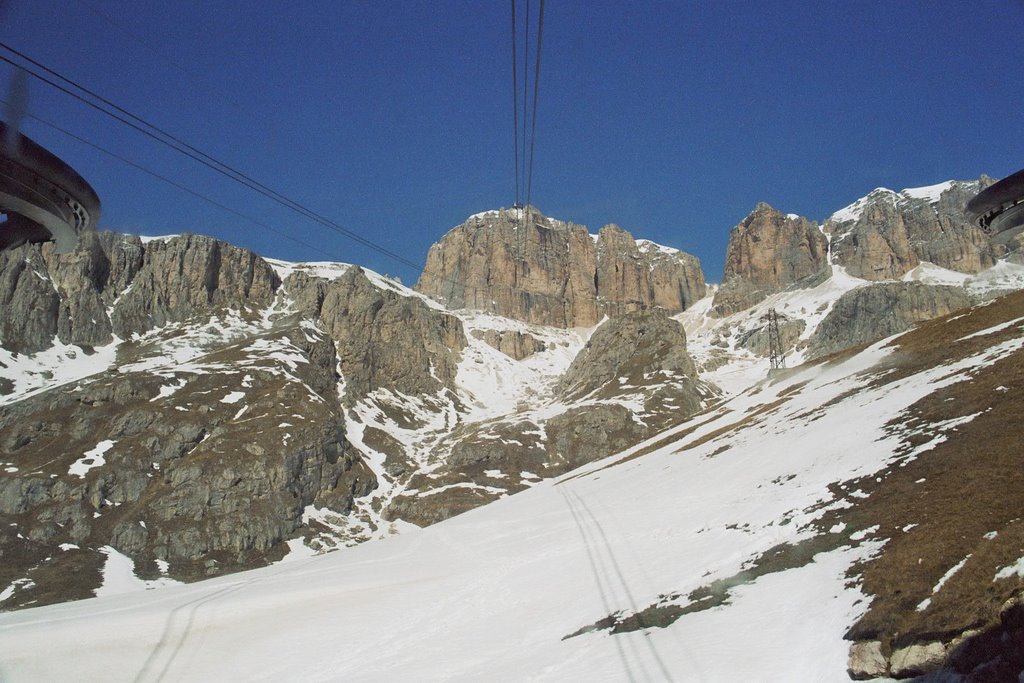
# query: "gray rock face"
{"type": "Point", "coordinates": [189, 275]}
{"type": "Point", "coordinates": [587, 433]}
{"type": "Point", "coordinates": [114, 284]}
{"type": "Point", "coordinates": [866, 660]}
{"type": "Point", "coordinates": [917, 659]}
{"type": "Point", "coordinates": [512, 343]}
{"type": "Point", "coordinates": [867, 314]}
{"type": "Point", "coordinates": [81, 277]}
{"type": "Point", "coordinates": [887, 234]}
{"type": "Point", "coordinates": [384, 340]}
{"type": "Point", "coordinates": [624, 349]}
{"type": "Point", "coordinates": [29, 304]}
{"type": "Point", "coordinates": [544, 271]}
{"type": "Point", "coordinates": [770, 252]}
{"type": "Point", "coordinates": [185, 476]}
{"type": "Point", "coordinates": [676, 277]}
{"type": "Point", "coordinates": [637, 274]}
{"type": "Point", "coordinates": [876, 246]}
{"type": "Point", "coordinates": [89, 280]}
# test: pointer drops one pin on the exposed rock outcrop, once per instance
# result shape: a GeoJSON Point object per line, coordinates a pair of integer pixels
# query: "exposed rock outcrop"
{"type": "Point", "coordinates": [114, 284]}
{"type": "Point", "coordinates": [512, 343]}
{"type": "Point", "coordinates": [916, 659]}
{"type": "Point", "coordinates": [867, 314]}
{"type": "Point", "coordinates": [167, 468]}
{"type": "Point", "coordinates": [769, 252]}
{"type": "Point", "coordinates": [866, 661]}
{"type": "Point", "coordinates": [385, 340]}
{"type": "Point", "coordinates": [626, 350]}
{"type": "Point", "coordinates": [523, 265]}
{"type": "Point", "coordinates": [676, 277]}
{"type": "Point", "coordinates": [886, 234]}
{"type": "Point", "coordinates": [29, 303]}
{"type": "Point", "coordinates": [190, 275]}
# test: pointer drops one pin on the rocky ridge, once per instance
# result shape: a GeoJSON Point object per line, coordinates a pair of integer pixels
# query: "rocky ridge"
{"type": "Point", "coordinates": [883, 236]}
{"type": "Point", "coordinates": [887, 234]}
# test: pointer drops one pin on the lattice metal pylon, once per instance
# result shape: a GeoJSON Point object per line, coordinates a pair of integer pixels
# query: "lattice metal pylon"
{"type": "Point", "coordinates": [778, 360]}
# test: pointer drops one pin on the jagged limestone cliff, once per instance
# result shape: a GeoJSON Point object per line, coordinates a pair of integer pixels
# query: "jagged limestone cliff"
{"type": "Point", "coordinates": [769, 252]}
{"type": "Point", "coordinates": [523, 265]}
{"type": "Point", "coordinates": [114, 284]}
{"type": "Point", "coordinates": [887, 234]}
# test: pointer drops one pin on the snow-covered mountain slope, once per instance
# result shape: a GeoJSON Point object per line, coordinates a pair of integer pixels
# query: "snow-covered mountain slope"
{"type": "Point", "coordinates": [743, 545]}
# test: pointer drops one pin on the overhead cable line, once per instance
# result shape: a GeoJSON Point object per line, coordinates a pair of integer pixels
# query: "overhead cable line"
{"type": "Point", "coordinates": [524, 160]}
{"type": "Point", "coordinates": [536, 83]}
{"type": "Point", "coordinates": [515, 101]}
{"type": "Point", "coordinates": [173, 183]}
{"type": "Point", "coordinates": [156, 133]}
{"type": "Point", "coordinates": [526, 80]}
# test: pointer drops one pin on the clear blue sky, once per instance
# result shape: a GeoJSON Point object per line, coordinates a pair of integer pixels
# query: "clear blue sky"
{"type": "Point", "coordinates": [672, 119]}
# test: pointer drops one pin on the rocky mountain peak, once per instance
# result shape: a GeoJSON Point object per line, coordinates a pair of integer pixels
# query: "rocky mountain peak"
{"type": "Point", "coordinates": [886, 234]}
{"type": "Point", "coordinates": [769, 251]}
{"type": "Point", "coordinates": [521, 264]}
